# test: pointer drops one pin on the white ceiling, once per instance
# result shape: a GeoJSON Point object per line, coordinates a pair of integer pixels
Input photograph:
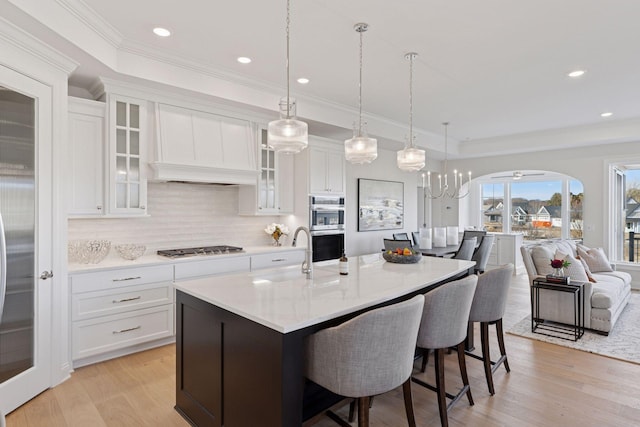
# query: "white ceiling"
{"type": "Point", "coordinates": [491, 68]}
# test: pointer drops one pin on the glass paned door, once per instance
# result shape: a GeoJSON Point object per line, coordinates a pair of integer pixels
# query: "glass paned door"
{"type": "Point", "coordinates": [25, 144]}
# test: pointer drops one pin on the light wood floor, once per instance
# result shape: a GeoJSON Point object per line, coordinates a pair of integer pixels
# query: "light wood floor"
{"type": "Point", "coordinates": [548, 386]}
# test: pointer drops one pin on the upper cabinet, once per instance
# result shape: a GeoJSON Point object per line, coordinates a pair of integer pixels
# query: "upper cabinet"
{"type": "Point", "coordinates": [326, 168]}
{"type": "Point", "coordinates": [127, 136]}
{"type": "Point", "coordinates": [199, 146]}
{"type": "Point", "coordinates": [86, 157]}
{"type": "Point", "coordinates": [272, 191]}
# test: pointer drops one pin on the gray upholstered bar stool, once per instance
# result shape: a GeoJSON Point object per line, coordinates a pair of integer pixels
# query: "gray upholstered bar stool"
{"type": "Point", "coordinates": [367, 355]}
{"type": "Point", "coordinates": [482, 252]}
{"type": "Point", "coordinates": [443, 325]}
{"type": "Point", "coordinates": [488, 308]}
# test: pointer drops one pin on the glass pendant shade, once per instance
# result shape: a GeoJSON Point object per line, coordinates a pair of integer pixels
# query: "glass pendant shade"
{"type": "Point", "coordinates": [361, 149]}
{"type": "Point", "coordinates": [288, 135]}
{"type": "Point", "coordinates": [411, 159]}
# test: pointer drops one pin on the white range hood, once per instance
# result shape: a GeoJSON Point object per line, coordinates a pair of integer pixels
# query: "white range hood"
{"type": "Point", "coordinates": [198, 146]}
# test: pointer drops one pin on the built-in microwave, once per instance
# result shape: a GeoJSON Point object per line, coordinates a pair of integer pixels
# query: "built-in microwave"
{"type": "Point", "coordinates": [326, 213]}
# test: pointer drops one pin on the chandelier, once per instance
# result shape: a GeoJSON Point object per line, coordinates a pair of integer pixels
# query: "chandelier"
{"type": "Point", "coordinates": [288, 134]}
{"type": "Point", "coordinates": [360, 149]}
{"type": "Point", "coordinates": [444, 190]}
{"type": "Point", "coordinates": [411, 159]}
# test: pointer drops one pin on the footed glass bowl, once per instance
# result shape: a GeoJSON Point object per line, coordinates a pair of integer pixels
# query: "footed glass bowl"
{"type": "Point", "coordinates": [88, 251]}
{"type": "Point", "coordinates": [130, 251]}
{"type": "Point", "coordinates": [402, 259]}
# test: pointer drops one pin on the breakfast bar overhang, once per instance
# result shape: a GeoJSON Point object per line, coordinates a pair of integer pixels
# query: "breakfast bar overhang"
{"type": "Point", "coordinates": [240, 337]}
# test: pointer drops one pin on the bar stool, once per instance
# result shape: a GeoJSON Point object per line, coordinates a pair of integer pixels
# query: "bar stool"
{"type": "Point", "coordinates": [444, 324]}
{"type": "Point", "coordinates": [367, 355]}
{"type": "Point", "coordinates": [488, 308]}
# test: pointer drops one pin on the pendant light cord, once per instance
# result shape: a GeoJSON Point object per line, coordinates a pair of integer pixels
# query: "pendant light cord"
{"type": "Point", "coordinates": [288, 22]}
{"type": "Point", "coordinates": [360, 88]}
{"type": "Point", "coordinates": [411, 101]}
{"type": "Point", "coordinates": [446, 143]}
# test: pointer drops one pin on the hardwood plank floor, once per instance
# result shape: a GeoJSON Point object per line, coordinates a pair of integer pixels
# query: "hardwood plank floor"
{"type": "Point", "coordinates": [548, 385]}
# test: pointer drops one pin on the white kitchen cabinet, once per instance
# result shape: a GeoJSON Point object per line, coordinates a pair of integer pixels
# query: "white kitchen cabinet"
{"type": "Point", "coordinates": [127, 135]}
{"type": "Point", "coordinates": [326, 170]}
{"type": "Point", "coordinates": [272, 193]}
{"type": "Point", "coordinates": [505, 250]}
{"type": "Point", "coordinates": [86, 157]}
{"type": "Point", "coordinates": [200, 146]}
{"type": "Point", "coordinates": [120, 311]}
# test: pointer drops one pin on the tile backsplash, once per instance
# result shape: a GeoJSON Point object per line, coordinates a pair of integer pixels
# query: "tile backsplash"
{"type": "Point", "coordinates": [181, 215]}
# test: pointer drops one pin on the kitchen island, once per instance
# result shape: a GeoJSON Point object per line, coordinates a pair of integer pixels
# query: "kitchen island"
{"type": "Point", "coordinates": [240, 337]}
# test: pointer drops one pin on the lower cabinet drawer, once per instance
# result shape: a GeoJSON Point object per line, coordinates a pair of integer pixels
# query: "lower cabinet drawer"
{"type": "Point", "coordinates": [103, 303]}
{"type": "Point", "coordinates": [96, 336]}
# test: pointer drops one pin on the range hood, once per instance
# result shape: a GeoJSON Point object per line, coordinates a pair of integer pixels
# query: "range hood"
{"type": "Point", "coordinates": [198, 146]}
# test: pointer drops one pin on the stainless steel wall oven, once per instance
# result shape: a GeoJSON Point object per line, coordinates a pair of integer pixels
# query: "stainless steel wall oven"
{"type": "Point", "coordinates": [326, 223]}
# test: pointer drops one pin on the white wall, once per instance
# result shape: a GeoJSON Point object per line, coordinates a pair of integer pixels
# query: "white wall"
{"type": "Point", "coordinates": [383, 168]}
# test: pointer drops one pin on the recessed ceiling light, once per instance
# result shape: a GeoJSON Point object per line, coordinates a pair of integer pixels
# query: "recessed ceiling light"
{"type": "Point", "coordinates": [576, 73]}
{"type": "Point", "coordinates": [303, 80]}
{"type": "Point", "coordinates": [162, 32]}
{"type": "Point", "coordinates": [244, 60]}
{"type": "Point", "coordinates": [607, 114]}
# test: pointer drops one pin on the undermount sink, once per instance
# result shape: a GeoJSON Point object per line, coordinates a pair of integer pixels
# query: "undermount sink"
{"type": "Point", "coordinates": [291, 273]}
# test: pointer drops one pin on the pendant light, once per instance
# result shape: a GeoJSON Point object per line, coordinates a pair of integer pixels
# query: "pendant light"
{"type": "Point", "coordinates": [360, 149]}
{"type": "Point", "coordinates": [444, 191]}
{"type": "Point", "coordinates": [411, 159]}
{"type": "Point", "coordinates": [288, 134]}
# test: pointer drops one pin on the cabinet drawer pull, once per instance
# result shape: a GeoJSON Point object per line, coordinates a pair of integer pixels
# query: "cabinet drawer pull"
{"type": "Point", "coordinates": [126, 278]}
{"type": "Point", "coordinates": [278, 260]}
{"type": "Point", "coordinates": [116, 301]}
{"type": "Point", "coordinates": [122, 331]}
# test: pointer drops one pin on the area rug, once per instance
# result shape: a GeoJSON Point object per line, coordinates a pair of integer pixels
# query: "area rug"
{"type": "Point", "coordinates": [622, 343]}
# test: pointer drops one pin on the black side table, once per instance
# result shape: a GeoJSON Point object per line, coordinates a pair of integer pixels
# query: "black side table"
{"type": "Point", "coordinates": [568, 332]}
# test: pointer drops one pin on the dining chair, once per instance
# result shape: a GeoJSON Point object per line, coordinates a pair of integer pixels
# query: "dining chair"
{"type": "Point", "coordinates": [478, 234]}
{"type": "Point", "coordinates": [416, 238]}
{"type": "Point", "coordinates": [482, 252]}
{"type": "Point", "coordinates": [444, 324]}
{"type": "Point", "coordinates": [488, 307]}
{"type": "Point", "coordinates": [465, 251]}
{"type": "Point", "coordinates": [368, 355]}
{"type": "Point", "coordinates": [400, 236]}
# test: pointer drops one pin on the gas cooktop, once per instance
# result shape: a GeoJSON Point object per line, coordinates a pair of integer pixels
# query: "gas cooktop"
{"type": "Point", "coordinates": [203, 250]}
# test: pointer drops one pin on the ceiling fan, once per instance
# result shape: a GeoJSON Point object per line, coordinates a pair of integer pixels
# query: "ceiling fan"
{"type": "Point", "coordinates": [517, 175]}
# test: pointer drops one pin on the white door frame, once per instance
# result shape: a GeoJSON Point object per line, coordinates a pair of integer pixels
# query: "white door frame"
{"type": "Point", "coordinates": [21, 388]}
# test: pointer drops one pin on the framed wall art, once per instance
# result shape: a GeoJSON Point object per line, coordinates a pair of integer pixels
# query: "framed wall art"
{"type": "Point", "coordinates": [380, 205]}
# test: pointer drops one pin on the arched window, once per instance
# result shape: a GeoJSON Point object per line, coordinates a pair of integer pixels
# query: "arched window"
{"type": "Point", "coordinates": [539, 204]}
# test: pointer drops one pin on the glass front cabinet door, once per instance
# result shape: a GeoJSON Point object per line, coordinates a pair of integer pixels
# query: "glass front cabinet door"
{"type": "Point", "coordinates": [127, 149]}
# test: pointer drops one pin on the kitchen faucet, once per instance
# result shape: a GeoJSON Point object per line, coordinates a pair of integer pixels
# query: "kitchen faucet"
{"type": "Point", "coordinates": [307, 267]}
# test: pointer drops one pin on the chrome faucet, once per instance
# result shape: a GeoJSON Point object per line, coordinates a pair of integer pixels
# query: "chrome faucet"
{"type": "Point", "coordinates": [307, 266]}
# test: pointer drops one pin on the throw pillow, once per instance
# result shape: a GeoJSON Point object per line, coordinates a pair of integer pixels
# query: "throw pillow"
{"type": "Point", "coordinates": [575, 270]}
{"type": "Point", "coordinates": [595, 259]}
{"type": "Point", "coordinates": [587, 270]}
{"type": "Point", "coordinates": [566, 246]}
{"type": "Point", "coordinates": [542, 256]}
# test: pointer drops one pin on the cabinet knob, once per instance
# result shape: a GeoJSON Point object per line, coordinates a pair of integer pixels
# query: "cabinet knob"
{"type": "Point", "coordinates": [143, 207]}
{"type": "Point", "coordinates": [99, 207]}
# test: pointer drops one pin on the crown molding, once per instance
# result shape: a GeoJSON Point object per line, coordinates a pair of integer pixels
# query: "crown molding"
{"type": "Point", "coordinates": [26, 42]}
{"type": "Point", "coordinates": [85, 14]}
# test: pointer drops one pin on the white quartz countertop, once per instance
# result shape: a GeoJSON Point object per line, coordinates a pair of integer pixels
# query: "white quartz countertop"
{"type": "Point", "coordinates": [284, 300]}
{"type": "Point", "coordinates": [114, 261]}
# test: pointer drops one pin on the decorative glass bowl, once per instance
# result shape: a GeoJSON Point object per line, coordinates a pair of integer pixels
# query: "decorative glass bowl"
{"type": "Point", "coordinates": [88, 251]}
{"type": "Point", "coordinates": [130, 251]}
{"type": "Point", "coordinates": [402, 259]}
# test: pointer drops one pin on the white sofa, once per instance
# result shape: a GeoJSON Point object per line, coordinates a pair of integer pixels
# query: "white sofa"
{"type": "Point", "coordinates": [604, 300]}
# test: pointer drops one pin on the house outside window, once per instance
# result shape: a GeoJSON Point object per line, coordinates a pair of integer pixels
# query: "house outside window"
{"type": "Point", "coordinates": [544, 206]}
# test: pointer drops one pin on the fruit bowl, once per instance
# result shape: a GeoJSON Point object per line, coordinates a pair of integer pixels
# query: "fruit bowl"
{"type": "Point", "coordinates": [130, 251]}
{"type": "Point", "coordinates": [402, 259]}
